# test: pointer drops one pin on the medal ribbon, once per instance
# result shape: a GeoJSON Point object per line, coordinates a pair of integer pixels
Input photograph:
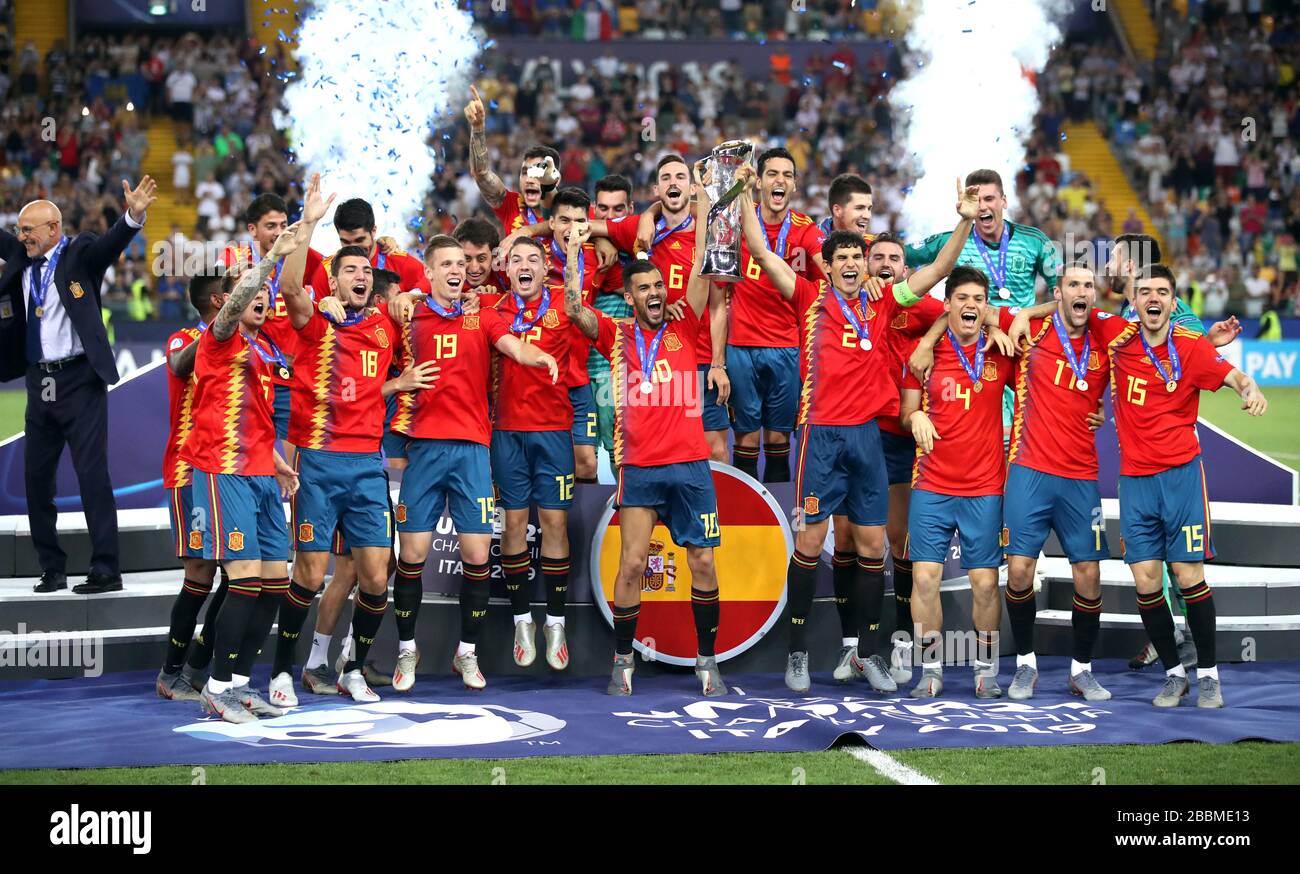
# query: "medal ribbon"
{"type": "Point", "coordinates": [784, 232]}
{"type": "Point", "coordinates": [1174, 364]}
{"type": "Point", "coordinates": [1080, 369]}
{"type": "Point", "coordinates": [456, 309]}
{"type": "Point", "coordinates": [47, 278]}
{"type": "Point", "coordinates": [851, 316]}
{"type": "Point", "coordinates": [520, 325]}
{"type": "Point", "coordinates": [975, 371]}
{"type": "Point", "coordinates": [648, 360]}
{"type": "Point", "coordinates": [661, 230]}
{"type": "Point", "coordinates": [997, 276]}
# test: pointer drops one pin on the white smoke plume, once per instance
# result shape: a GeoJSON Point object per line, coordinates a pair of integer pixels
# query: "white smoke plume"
{"type": "Point", "coordinates": [373, 79]}
{"type": "Point", "coordinates": [965, 102]}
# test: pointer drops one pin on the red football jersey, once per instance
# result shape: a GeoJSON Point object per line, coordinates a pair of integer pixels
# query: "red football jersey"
{"type": "Point", "coordinates": [491, 292]}
{"type": "Point", "coordinates": [525, 398]}
{"type": "Point", "coordinates": [277, 327]}
{"type": "Point", "coordinates": [674, 255]}
{"type": "Point", "coordinates": [338, 381]}
{"type": "Point", "coordinates": [968, 458]}
{"type": "Point", "coordinates": [408, 267]}
{"type": "Point", "coordinates": [904, 328]}
{"type": "Point", "coordinates": [456, 408]}
{"type": "Point", "coordinates": [1050, 430]}
{"type": "Point", "coordinates": [664, 425]}
{"type": "Point", "coordinates": [233, 430]}
{"type": "Point", "coordinates": [843, 384]}
{"type": "Point", "coordinates": [180, 413]}
{"type": "Point", "coordinates": [1157, 427]}
{"type": "Point", "coordinates": [759, 315]}
{"type": "Point", "coordinates": [513, 214]}
{"type": "Point", "coordinates": [577, 373]}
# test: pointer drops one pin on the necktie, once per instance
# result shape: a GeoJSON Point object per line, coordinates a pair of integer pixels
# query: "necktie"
{"type": "Point", "coordinates": [34, 350]}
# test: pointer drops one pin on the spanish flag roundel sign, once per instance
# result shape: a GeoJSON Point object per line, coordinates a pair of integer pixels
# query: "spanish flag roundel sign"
{"type": "Point", "coordinates": [751, 566]}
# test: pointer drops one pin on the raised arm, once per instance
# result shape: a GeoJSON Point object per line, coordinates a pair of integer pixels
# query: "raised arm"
{"type": "Point", "coordinates": [296, 300]}
{"type": "Point", "coordinates": [105, 250]}
{"type": "Point", "coordinates": [925, 278]}
{"type": "Point", "coordinates": [227, 320]}
{"type": "Point", "coordinates": [781, 273]}
{"type": "Point", "coordinates": [574, 307]}
{"type": "Point", "coordinates": [489, 183]}
{"type": "Point", "coordinates": [1252, 399]}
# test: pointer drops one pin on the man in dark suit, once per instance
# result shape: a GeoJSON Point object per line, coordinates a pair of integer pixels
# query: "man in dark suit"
{"type": "Point", "coordinates": [52, 332]}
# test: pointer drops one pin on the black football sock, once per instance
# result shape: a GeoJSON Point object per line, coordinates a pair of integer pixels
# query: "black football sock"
{"type": "Point", "coordinates": [185, 614]}
{"type": "Point", "coordinates": [903, 595]}
{"type": "Point", "coordinates": [844, 572]}
{"type": "Point", "coordinates": [777, 467]}
{"type": "Point", "coordinates": [474, 592]}
{"type": "Point", "coordinates": [1022, 610]}
{"type": "Point", "coordinates": [293, 613]}
{"type": "Point", "coordinates": [516, 570]}
{"type": "Point", "coordinates": [366, 617]}
{"type": "Point", "coordinates": [408, 589]}
{"type": "Point", "coordinates": [201, 652]}
{"type": "Point", "coordinates": [259, 624]}
{"type": "Point", "coordinates": [745, 458]}
{"type": "Point", "coordinates": [706, 607]}
{"type": "Point", "coordinates": [870, 588]}
{"type": "Point", "coordinates": [1201, 620]}
{"type": "Point", "coordinates": [1159, 624]}
{"type": "Point", "coordinates": [1085, 618]}
{"type": "Point", "coordinates": [232, 624]}
{"type": "Point", "coordinates": [585, 480]}
{"type": "Point", "coordinates": [800, 581]}
{"type": "Point", "coordinates": [625, 628]}
{"type": "Point", "coordinates": [555, 575]}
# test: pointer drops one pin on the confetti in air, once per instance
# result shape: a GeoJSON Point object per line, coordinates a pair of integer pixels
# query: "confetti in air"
{"type": "Point", "coordinates": [970, 101]}
{"type": "Point", "coordinates": [374, 79]}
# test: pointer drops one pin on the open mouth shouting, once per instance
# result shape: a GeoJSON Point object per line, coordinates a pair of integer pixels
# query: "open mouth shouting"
{"type": "Point", "coordinates": [1079, 308]}
{"type": "Point", "coordinates": [525, 279]}
{"type": "Point", "coordinates": [654, 307]}
{"type": "Point", "coordinates": [778, 197]}
{"type": "Point", "coordinates": [886, 274]}
{"type": "Point", "coordinates": [532, 191]}
{"type": "Point", "coordinates": [985, 220]}
{"type": "Point", "coordinates": [970, 318]}
{"type": "Point", "coordinates": [850, 276]}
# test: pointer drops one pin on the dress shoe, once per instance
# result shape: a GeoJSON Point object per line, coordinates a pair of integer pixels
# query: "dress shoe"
{"type": "Point", "coordinates": [52, 581]}
{"type": "Point", "coordinates": [97, 584]}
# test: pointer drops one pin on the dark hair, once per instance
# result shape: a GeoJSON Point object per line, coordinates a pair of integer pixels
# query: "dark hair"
{"type": "Point", "coordinates": [439, 241]}
{"type": "Point", "coordinates": [384, 280]}
{"type": "Point", "coordinates": [984, 177]}
{"type": "Point", "coordinates": [478, 231]}
{"type": "Point", "coordinates": [526, 241]}
{"type": "Point", "coordinates": [202, 289]}
{"type": "Point", "coordinates": [777, 152]}
{"type": "Point", "coordinates": [963, 275]}
{"type": "Point", "coordinates": [841, 240]}
{"type": "Point", "coordinates": [615, 182]}
{"type": "Point", "coordinates": [354, 215]}
{"type": "Point", "coordinates": [570, 195]}
{"type": "Point", "coordinates": [672, 158]}
{"type": "Point", "coordinates": [347, 252]}
{"type": "Point", "coordinates": [845, 185]}
{"type": "Point", "coordinates": [1139, 246]}
{"type": "Point", "coordinates": [886, 237]}
{"type": "Point", "coordinates": [1159, 271]}
{"type": "Point", "coordinates": [636, 268]}
{"type": "Point", "coordinates": [540, 151]}
{"type": "Point", "coordinates": [261, 205]}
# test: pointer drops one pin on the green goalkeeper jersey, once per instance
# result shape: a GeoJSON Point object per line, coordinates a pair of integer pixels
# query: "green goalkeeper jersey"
{"type": "Point", "coordinates": [1029, 254]}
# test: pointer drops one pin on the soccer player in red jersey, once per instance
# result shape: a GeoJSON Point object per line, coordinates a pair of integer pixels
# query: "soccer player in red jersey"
{"type": "Point", "coordinates": [265, 219]}
{"type": "Point", "coordinates": [532, 452]}
{"type": "Point", "coordinates": [174, 681]}
{"type": "Point", "coordinates": [449, 463]}
{"type": "Point", "coordinates": [479, 238]}
{"type": "Point", "coordinates": [659, 447]}
{"type": "Point", "coordinates": [539, 174]}
{"type": "Point", "coordinates": [340, 380]}
{"type": "Point", "coordinates": [850, 199]}
{"type": "Point", "coordinates": [238, 481]}
{"type": "Point", "coordinates": [1158, 372]}
{"type": "Point", "coordinates": [845, 362]}
{"type": "Point", "coordinates": [957, 478]}
{"type": "Point", "coordinates": [355, 222]}
{"type": "Point", "coordinates": [665, 233]}
{"type": "Point", "coordinates": [763, 334]}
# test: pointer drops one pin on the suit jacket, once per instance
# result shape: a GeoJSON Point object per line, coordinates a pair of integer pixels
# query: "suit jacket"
{"type": "Point", "coordinates": [78, 277]}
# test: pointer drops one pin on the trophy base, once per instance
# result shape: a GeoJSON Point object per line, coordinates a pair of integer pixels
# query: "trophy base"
{"type": "Point", "coordinates": [721, 267]}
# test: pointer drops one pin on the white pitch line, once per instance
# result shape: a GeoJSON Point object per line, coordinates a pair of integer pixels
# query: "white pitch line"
{"type": "Point", "coordinates": [889, 767]}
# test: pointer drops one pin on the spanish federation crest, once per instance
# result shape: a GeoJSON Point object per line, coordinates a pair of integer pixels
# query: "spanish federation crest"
{"type": "Point", "coordinates": [306, 534]}
{"type": "Point", "coordinates": [671, 343]}
{"type": "Point", "coordinates": [196, 540]}
{"type": "Point", "coordinates": [900, 321]}
{"type": "Point", "coordinates": [811, 505]}
{"type": "Point", "coordinates": [471, 323]}
{"type": "Point", "coordinates": [381, 337]}
{"type": "Point", "coordinates": [235, 541]}
{"type": "Point", "coordinates": [399, 512]}
{"type": "Point", "coordinates": [77, 291]}
{"type": "Point", "coordinates": [1094, 360]}
{"type": "Point", "coordinates": [990, 373]}
{"type": "Point", "coordinates": [551, 319]}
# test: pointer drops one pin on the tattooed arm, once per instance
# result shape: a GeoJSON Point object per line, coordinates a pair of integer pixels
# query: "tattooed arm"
{"type": "Point", "coordinates": [574, 308]}
{"type": "Point", "coordinates": [226, 323]}
{"type": "Point", "coordinates": [489, 183]}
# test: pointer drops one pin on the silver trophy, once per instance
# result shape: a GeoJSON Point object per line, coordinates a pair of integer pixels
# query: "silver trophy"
{"type": "Point", "coordinates": [723, 234]}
